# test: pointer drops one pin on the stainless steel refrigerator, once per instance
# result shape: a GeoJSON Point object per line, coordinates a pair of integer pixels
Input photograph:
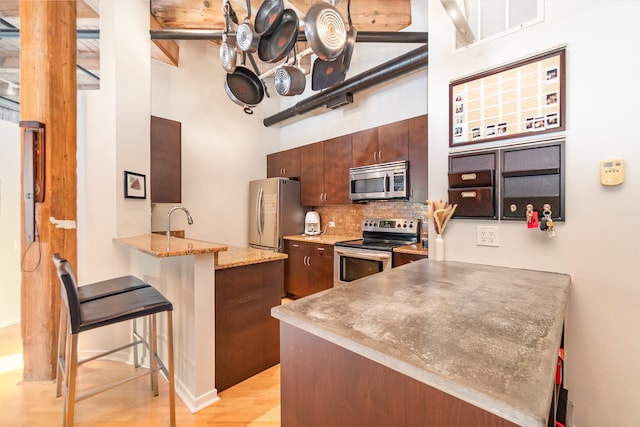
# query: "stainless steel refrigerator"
{"type": "Point", "coordinates": [274, 212]}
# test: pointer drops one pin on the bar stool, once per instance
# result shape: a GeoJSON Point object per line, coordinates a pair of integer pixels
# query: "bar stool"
{"type": "Point", "coordinates": [142, 302]}
{"type": "Point", "coordinates": [92, 292]}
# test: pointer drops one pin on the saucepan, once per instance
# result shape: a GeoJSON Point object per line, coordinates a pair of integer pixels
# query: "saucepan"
{"type": "Point", "coordinates": [268, 17]}
{"type": "Point", "coordinates": [246, 37]}
{"type": "Point", "coordinates": [325, 31]}
{"type": "Point", "coordinates": [290, 79]}
{"type": "Point", "coordinates": [244, 87]}
{"type": "Point", "coordinates": [228, 54]}
{"type": "Point", "coordinates": [277, 45]}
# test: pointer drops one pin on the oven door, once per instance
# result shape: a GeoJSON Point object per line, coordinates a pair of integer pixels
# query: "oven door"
{"type": "Point", "coordinates": [350, 264]}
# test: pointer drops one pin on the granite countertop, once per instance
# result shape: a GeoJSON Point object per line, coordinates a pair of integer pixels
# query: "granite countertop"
{"type": "Point", "coordinates": [413, 249]}
{"type": "Point", "coordinates": [236, 256]}
{"type": "Point", "coordinates": [159, 246]}
{"type": "Point", "coordinates": [486, 335]}
{"type": "Point", "coordinates": [327, 239]}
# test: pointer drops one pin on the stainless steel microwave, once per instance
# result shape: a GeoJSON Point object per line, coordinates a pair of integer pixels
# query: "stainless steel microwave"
{"type": "Point", "coordinates": [379, 182]}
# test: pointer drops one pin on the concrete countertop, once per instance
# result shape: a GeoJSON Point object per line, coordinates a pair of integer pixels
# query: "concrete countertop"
{"type": "Point", "coordinates": [486, 335]}
{"type": "Point", "coordinates": [159, 246]}
{"type": "Point", "coordinates": [327, 239]}
{"type": "Point", "coordinates": [236, 256]}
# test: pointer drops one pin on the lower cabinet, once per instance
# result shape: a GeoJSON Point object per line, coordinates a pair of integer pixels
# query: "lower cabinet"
{"type": "Point", "coordinates": [401, 258]}
{"type": "Point", "coordinates": [247, 337]}
{"type": "Point", "coordinates": [309, 268]}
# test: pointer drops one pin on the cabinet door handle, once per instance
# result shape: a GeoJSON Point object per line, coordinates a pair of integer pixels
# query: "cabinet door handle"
{"type": "Point", "coordinates": [468, 194]}
{"type": "Point", "coordinates": [375, 153]}
{"type": "Point", "coordinates": [295, 245]}
{"type": "Point", "coordinates": [284, 171]}
{"type": "Point", "coordinates": [325, 197]}
{"type": "Point", "coordinates": [468, 176]}
{"type": "Point", "coordinates": [320, 249]}
{"type": "Point", "coordinates": [380, 155]}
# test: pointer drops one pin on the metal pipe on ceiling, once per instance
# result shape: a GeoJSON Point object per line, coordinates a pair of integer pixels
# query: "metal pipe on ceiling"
{"type": "Point", "coordinates": [403, 64]}
{"type": "Point", "coordinates": [362, 36]}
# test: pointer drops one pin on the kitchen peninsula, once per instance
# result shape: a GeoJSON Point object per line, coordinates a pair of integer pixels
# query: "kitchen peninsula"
{"type": "Point", "coordinates": [428, 343]}
{"type": "Point", "coordinates": [183, 270]}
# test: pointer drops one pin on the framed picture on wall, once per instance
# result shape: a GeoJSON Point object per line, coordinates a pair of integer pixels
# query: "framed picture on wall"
{"type": "Point", "coordinates": [509, 101]}
{"type": "Point", "coordinates": [135, 185]}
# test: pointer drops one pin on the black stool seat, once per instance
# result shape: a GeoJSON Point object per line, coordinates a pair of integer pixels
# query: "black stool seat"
{"type": "Point", "coordinates": [107, 288]}
{"type": "Point", "coordinates": [120, 307]}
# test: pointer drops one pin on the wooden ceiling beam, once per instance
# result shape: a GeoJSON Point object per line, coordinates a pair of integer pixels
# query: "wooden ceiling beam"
{"type": "Point", "coordinates": [167, 51]}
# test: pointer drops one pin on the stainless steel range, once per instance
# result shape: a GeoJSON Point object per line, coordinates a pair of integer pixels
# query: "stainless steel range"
{"type": "Point", "coordinates": [373, 253]}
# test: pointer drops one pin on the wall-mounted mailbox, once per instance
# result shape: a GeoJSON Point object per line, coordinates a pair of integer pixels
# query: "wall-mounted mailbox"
{"type": "Point", "coordinates": [472, 185]}
{"type": "Point", "coordinates": [532, 175]}
{"type": "Point", "coordinates": [501, 182]}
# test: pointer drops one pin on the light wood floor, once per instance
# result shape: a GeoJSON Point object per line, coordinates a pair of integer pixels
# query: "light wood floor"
{"type": "Point", "coordinates": [254, 402]}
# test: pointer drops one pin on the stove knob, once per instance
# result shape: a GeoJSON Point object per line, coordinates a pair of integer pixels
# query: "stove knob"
{"type": "Point", "coordinates": [411, 225]}
{"type": "Point", "coordinates": [405, 225]}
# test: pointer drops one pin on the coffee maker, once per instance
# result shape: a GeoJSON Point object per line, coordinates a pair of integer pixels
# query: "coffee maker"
{"type": "Point", "coordinates": [312, 223]}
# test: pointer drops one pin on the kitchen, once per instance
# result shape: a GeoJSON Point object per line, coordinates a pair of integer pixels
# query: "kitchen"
{"type": "Point", "coordinates": [602, 299]}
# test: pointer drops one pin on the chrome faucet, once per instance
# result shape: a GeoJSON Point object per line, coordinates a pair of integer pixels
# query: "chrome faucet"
{"type": "Point", "coordinates": [189, 218]}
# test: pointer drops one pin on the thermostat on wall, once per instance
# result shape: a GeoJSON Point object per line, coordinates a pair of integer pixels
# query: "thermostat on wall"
{"type": "Point", "coordinates": [612, 172]}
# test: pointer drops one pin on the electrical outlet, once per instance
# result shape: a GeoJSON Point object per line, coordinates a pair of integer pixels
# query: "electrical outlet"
{"type": "Point", "coordinates": [332, 224]}
{"type": "Point", "coordinates": [487, 236]}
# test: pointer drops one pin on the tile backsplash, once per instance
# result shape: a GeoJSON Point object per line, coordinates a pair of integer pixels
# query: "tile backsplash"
{"type": "Point", "coordinates": [348, 218]}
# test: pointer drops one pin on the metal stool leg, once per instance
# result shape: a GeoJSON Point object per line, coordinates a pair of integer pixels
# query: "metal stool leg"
{"type": "Point", "coordinates": [172, 394]}
{"type": "Point", "coordinates": [61, 359]}
{"type": "Point", "coordinates": [70, 380]}
{"type": "Point", "coordinates": [153, 362]}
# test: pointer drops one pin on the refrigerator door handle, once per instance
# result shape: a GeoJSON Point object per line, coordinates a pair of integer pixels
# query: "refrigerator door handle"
{"type": "Point", "coordinates": [259, 212]}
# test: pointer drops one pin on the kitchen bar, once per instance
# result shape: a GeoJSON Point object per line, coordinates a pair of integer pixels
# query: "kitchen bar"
{"type": "Point", "coordinates": [487, 337]}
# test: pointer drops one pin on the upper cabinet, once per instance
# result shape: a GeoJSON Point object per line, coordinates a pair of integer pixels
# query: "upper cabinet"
{"type": "Point", "coordinates": [166, 161]}
{"type": "Point", "coordinates": [323, 167]}
{"type": "Point", "coordinates": [324, 172]}
{"type": "Point", "coordinates": [418, 158]}
{"type": "Point", "coordinates": [387, 143]}
{"type": "Point", "coordinates": [284, 163]}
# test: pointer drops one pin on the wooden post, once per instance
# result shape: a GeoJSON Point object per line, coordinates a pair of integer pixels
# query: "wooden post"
{"type": "Point", "coordinates": [48, 95]}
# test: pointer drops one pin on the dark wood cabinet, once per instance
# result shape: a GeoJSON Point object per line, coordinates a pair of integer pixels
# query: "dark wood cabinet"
{"type": "Point", "coordinates": [401, 258]}
{"type": "Point", "coordinates": [309, 268]}
{"type": "Point", "coordinates": [386, 143]}
{"type": "Point", "coordinates": [284, 163]}
{"type": "Point", "coordinates": [312, 174]}
{"type": "Point", "coordinates": [418, 158]}
{"type": "Point", "coordinates": [324, 177]}
{"type": "Point", "coordinates": [247, 338]}
{"type": "Point", "coordinates": [166, 161]}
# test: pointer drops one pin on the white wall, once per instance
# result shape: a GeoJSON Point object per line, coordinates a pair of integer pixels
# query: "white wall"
{"type": "Point", "coordinates": [9, 223]}
{"type": "Point", "coordinates": [597, 244]}
{"type": "Point", "coordinates": [222, 147]}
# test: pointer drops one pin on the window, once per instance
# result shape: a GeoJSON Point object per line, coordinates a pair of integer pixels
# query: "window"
{"type": "Point", "coordinates": [490, 19]}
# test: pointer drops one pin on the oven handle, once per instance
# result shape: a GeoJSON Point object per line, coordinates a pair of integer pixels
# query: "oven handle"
{"type": "Point", "coordinates": [373, 257]}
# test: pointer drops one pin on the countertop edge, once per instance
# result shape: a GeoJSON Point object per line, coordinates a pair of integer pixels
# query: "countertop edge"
{"type": "Point", "coordinates": [145, 243]}
{"type": "Point", "coordinates": [486, 403]}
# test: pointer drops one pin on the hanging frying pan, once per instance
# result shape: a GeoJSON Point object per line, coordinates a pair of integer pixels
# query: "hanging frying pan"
{"type": "Point", "coordinates": [276, 46]}
{"type": "Point", "coordinates": [268, 17]}
{"type": "Point", "coordinates": [325, 31]}
{"type": "Point", "coordinates": [244, 88]}
{"type": "Point", "coordinates": [326, 73]}
{"type": "Point", "coordinates": [246, 37]}
{"type": "Point", "coordinates": [228, 54]}
{"type": "Point", "coordinates": [351, 42]}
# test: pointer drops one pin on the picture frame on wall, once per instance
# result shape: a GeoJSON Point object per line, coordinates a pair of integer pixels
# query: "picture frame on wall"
{"type": "Point", "coordinates": [509, 101]}
{"type": "Point", "coordinates": [135, 185]}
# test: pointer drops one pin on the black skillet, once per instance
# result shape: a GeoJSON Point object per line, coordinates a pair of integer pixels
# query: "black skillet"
{"type": "Point", "coordinates": [244, 87]}
{"type": "Point", "coordinates": [277, 45]}
{"type": "Point", "coordinates": [268, 17]}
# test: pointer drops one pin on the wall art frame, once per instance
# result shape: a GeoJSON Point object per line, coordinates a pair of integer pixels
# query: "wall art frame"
{"type": "Point", "coordinates": [135, 185]}
{"type": "Point", "coordinates": [518, 99]}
